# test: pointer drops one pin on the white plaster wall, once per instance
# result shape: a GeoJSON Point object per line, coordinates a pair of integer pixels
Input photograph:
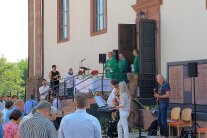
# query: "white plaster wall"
{"type": "Point", "coordinates": [183, 31]}
{"type": "Point", "coordinates": [81, 44]}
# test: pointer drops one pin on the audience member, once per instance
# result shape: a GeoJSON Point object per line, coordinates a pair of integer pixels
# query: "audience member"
{"type": "Point", "coordinates": [19, 104]}
{"type": "Point", "coordinates": [70, 83]}
{"type": "Point", "coordinates": [29, 104]}
{"type": "Point", "coordinates": [6, 98]}
{"type": "Point", "coordinates": [14, 98]}
{"type": "Point", "coordinates": [39, 126]}
{"type": "Point", "coordinates": [44, 90]}
{"type": "Point", "coordinates": [30, 115]}
{"type": "Point", "coordinates": [53, 116]}
{"type": "Point", "coordinates": [1, 124]}
{"type": "Point", "coordinates": [2, 104]}
{"type": "Point", "coordinates": [11, 129]}
{"type": "Point", "coordinates": [124, 109]}
{"type": "Point", "coordinates": [7, 110]}
{"type": "Point", "coordinates": [80, 120]}
{"type": "Point", "coordinates": [56, 102]}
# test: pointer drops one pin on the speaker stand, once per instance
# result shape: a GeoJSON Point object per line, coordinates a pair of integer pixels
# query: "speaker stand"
{"type": "Point", "coordinates": [195, 124]}
{"type": "Point", "coordinates": [139, 116]}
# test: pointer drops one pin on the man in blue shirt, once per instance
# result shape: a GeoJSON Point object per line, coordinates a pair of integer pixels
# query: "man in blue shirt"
{"type": "Point", "coordinates": [80, 124]}
{"type": "Point", "coordinates": [7, 110]}
{"type": "Point", "coordinates": [163, 96]}
{"type": "Point", "coordinates": [19, 104]}
{"type": "Point", "coordinates": [29, 104]}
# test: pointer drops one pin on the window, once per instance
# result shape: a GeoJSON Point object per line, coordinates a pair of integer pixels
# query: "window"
{"type": "Point", "coordinates": [63, 23]}
{"type": "Point", "coordinates": [98, 17]}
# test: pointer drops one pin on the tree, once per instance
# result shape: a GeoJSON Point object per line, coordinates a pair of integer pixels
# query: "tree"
{"type": "Point", "coordinates": [12, 76]}
{"type": "Point", "coordinates": [23, 65]}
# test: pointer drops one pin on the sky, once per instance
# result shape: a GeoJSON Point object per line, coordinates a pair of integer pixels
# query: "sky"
{"type": "Point", "coordinates": [14, 29]}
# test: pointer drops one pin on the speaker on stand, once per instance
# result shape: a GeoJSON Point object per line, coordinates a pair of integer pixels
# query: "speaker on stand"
{"type": "Point", "coordinates": [116, 54]}
{"type": "Point", "coordinates": [102, 60]}
{"type": "Point", "coordinates": [192, 73]}
{"type": "Point", "coordinates": [192, 69]}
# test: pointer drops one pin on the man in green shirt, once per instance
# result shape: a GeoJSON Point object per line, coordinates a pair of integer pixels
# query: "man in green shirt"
{"type": "Point", "coordinates": [111, 67]}
{"type": "Point", "coordinates": [123, 68]}
{"type": "Point", "coordinates": [136, 61]}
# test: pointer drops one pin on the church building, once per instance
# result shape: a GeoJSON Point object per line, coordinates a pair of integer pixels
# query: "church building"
{"type": "Point", "coordinates": [169, 34]}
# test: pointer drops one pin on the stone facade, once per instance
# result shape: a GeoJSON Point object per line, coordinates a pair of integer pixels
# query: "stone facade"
{"type": "Point", "coordinates": [34, 47]}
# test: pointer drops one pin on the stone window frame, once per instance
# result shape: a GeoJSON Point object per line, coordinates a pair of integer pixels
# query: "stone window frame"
{"type": "Point", "coordinates": [59, 22]}
{"type": "Point", "coordinates": [92, 20]}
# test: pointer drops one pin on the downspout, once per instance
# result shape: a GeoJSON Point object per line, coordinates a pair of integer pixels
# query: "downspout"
{"type": "Point", "coordinates": [42, 37]}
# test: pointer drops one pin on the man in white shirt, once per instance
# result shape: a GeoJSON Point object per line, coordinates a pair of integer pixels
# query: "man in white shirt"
{"type": "Point", "coordinates": [70, 83]}
{"type": "Point", "coordinates": [80, 124]}
{"type": "Point", "coordinates": [44, 90]}
{"type": "Point", "coordinates": [112, 97]}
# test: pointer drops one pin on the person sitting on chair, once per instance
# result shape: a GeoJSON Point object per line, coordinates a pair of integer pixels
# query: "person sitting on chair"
{"type": "Point", "coordinates": [111, 101]}
{"type": "Point", "coordinates": [43, 90]}
{"type": "Point", "coordinates": [112, 97]}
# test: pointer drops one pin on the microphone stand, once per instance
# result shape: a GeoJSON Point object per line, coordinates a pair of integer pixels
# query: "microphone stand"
{"type": "Point", "coordinates": [139, 116]}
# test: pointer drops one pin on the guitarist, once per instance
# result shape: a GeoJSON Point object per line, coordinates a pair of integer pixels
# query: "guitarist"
{"type": "Point", "coordinates": [163, 96]}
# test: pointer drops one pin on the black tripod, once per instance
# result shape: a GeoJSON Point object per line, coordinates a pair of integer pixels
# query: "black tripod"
{"type": "Point", "coordinates": [195, 124]}
{"type": "Point", "coordinates": [139, 116]}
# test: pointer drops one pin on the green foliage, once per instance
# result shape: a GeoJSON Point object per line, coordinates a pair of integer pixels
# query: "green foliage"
{"type": "Point", "coordinates": [23, 66]}
{"type": "Point", "coordinates": [12, 76]}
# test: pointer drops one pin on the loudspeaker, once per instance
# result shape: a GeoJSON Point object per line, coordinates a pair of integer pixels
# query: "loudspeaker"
{"type": "Point", "coordinates": [116, 54]}
{"type": "Point", "coordinates": [193, 69]}
{"type": "Point", "coordinates": [102, 58]}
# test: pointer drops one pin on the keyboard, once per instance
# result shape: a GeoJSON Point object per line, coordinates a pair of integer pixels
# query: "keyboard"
{"type": "Point", "coordinates": [106, 109]}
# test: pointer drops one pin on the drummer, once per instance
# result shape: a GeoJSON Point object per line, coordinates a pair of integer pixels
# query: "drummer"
{"type": "Point", "coordinates": [111, 101]}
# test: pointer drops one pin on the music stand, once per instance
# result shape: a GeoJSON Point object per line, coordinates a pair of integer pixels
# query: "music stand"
{"type": "Point", "coordinates": [139, 116]}
{"type": "Point", "coordinates": [84, 69]}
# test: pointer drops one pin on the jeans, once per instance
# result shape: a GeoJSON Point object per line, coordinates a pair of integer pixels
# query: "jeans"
{"type": "Point", "coordinates": [70, 92]}
{"type": "Point", "coordinates": [162, 118]}
{"type": "Point", "coordinates": [123, 124]}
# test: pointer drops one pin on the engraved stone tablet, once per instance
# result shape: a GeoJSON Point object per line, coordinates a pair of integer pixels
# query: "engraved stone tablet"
{"type": "Point", "coordinates": [176, 83]}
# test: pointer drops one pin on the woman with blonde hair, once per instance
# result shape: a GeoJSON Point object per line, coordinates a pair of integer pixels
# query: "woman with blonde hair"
{"type": "Point", "coordinates": [124, 109]}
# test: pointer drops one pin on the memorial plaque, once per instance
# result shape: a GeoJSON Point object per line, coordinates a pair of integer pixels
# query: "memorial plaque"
{"type": "Point", "coordinates": [201, 85]}
{"type": "Point", "coordinates": [176, 81]}
{"type": "Point", "coordinates": [187, 84]}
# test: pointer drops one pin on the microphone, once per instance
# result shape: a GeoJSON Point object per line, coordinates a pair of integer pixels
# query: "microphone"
{"type": "Point", "coordinates": [83, 60]}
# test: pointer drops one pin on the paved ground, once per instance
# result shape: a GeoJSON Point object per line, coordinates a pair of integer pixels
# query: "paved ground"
{"type": "Point", "coordinates": [136, 134]}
